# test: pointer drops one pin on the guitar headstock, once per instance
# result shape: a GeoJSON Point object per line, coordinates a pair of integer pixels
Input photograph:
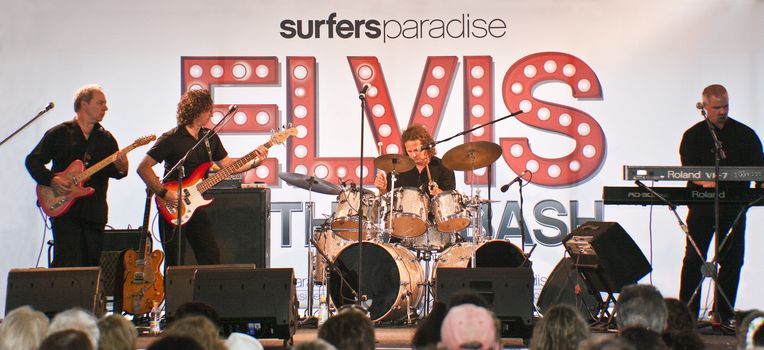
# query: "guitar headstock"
{"type": "Point", "coordinates": [144, 140]}
{"type": "Point", "coordinates": [281, 136]}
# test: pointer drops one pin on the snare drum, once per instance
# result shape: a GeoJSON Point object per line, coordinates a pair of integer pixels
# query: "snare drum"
{"type": "Point", "coordinates": [409, 216]}
{"type": "Point", "coordinates": [392, 282]}
{"type": "Point", "coordinates": [494, 253]}
{"type": "Point", "coordinates": [449, 212]}
{"type": "Point", "coordinates": [432, 240]}
{"type": "Point", "coordinates": [345, 223]}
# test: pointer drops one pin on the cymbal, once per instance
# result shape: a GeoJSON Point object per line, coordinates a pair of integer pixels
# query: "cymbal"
{"type": "Point", "coordinates": [393, 161]}
{"type": "Point", "coordinates": [472, 155]}
{"type": "Point", "coordinates": [311, 183]}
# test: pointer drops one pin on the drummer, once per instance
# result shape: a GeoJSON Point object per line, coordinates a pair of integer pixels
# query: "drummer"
{"type": "Point", "coordinates": [434, 180]}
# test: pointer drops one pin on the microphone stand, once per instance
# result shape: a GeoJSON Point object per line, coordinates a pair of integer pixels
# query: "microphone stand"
{"type": "Point", "coordinates": [719, 154]}
{"type": "Point", "coordinates": [39, 114]}
{"type": "Point", "coordinates": [181, 174]}
{"type": "Point", "coordinates": [359, 294]}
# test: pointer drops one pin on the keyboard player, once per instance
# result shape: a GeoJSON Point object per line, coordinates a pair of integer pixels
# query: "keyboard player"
{"type": "Point", "coordinates": [741, 147]}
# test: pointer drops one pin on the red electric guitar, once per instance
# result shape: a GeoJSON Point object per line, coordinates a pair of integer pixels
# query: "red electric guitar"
{"type": "Point", "coordinates": [143, 283]}
{"type": "Point", "coordinates": [55, 204]}
{"type": "Point", "coordinates": [194, 185]}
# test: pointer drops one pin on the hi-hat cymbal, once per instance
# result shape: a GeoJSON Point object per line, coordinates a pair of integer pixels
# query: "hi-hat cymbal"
{"type": "Point", "coordinates": [311, 183]}
{"type": "Point", "coordinates": [392, 161]}
{"type": "Point", "coordinates": [472, 155]}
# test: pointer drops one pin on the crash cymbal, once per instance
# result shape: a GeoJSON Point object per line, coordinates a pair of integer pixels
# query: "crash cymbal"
{"type": "Point", "coordinates": [472, 155]}
{"type": "Point", "coordinates": [311, 183]}
{"type": "Point", "coordinates": [392, 161]}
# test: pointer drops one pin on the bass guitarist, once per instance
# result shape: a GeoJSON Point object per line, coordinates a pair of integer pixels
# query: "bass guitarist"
{"type": "Point", "coordinates": [194, 111]}
{"type": "Point", "coordinates": [78, 233]}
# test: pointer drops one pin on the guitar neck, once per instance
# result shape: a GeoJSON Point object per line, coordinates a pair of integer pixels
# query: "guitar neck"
{"type": "Point", "coordinates": [227, 171]}
{"type": "Point", "coordinates": [145, 244]}
{"type": "Point", "coordinates": [102, 164]}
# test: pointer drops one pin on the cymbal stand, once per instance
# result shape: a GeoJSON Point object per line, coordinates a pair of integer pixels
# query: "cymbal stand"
{"type": "Point", "coordinates": [426, 255]}
{"type": "Point", "coordinates": [477, 232]}
{"type": "Point", "coordinates": [311, 256]}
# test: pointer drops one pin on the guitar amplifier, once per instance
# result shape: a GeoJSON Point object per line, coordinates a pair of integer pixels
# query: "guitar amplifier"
{"type": "Point", "coordinates": [241, 223]}
{"type": "Point", "coordinates": [115, 242]}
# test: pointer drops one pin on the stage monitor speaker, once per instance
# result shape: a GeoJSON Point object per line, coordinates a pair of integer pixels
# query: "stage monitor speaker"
{"type": "Point", "coordinates": [52, 290]}
{"type": "Point", "coordinates": [565, 286]}
{"type": "Point", "coordinates": [606, 256]}
{"type": "Point", "coordinates": [508, 291]}
{"type": "Point", "coordinates": [259, 302]}
{"type": "Point", "coordinates": [179, 283]}
{"type": "Point", "coordinates": [115, 242]}
{"type": "Point", "coordinates": [241, 223]}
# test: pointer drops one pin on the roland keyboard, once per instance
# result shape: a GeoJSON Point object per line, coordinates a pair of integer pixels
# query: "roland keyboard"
{"type": "Point", "coordinates": [678, 196]}
{"type": "Point", "coordinates": [692, 173]}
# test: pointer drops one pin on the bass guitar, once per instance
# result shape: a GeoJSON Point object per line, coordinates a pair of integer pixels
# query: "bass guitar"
{"type": "Point", "coordinates": [194, 186]}
{"type": "Point", "coordinates": [143, 283]}
{"type": "Point", "coordinates": [55, 203]}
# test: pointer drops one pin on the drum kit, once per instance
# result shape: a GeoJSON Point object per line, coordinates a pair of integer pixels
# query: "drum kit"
{"type": "Point", "coordinates": [398, 231]}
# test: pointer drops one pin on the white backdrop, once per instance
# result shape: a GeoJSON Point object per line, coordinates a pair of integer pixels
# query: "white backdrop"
{"type": "Point", "coordinates": [651, 60]}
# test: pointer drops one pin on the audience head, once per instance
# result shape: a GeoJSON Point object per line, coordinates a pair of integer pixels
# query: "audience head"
{"type": "Point", "coordinates": [315, 344]}
{"type": "Point", "coordinates": [605, 342]}
{"type": "Point", "coordinates": [198, 308]}
{"type": "Point", "coordinates": [68, 339]}
{"type": "Point", "coordinates": [23, 329]}
{"type": "Point", "coordinates": [643, 339]}
{"type": "Point", "coordinates": [175, 342]}
{"type": "Point", "coordinates": [117, 333]}
{"type": "Point", "coordinates": [428, 330]}
{"type": "Point", "coordinates": [641, 305]}
{"type": "Point", "coordinates": [470, 326]}
{"type": "Point", "coordinates": [349, 329]}
{"type": "Point", "coordinates": [562, 328]}
{"type": "Point", "coordinates": [679, 316]}
{"type": "Point", "coordinates": [750, 332]}
{"type": "Point", "coordinates": [77, 319]}
{"type": "Point", "coordinates": [199, 328]}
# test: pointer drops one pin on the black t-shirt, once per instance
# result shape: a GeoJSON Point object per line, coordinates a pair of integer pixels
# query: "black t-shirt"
{"type": "Point", "coordinates": [65, 143]}
{"type": "Point", "coordinates": [443, 176]}
{"type": "Point", "coordinates": [174, 144]}
{"type": "Point", "coordinates": [741, 145]}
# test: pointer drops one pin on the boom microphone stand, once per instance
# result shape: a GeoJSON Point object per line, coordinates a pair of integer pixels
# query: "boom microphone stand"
{"type": "Point", "coordinates": [360, 296]}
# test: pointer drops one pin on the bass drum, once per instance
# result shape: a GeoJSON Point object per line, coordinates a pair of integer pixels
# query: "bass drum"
{"type": "Point", "coordinates": [392, 280]}
{"type": "Point", "coordinates": [330, 244]}
{"type": "Point", "coordinates": [494, 253]}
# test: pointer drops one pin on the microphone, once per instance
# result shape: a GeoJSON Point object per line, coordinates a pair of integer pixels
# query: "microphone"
{"type": "Point", "coordinates": [233, 108]}
{"type": "Point", "coordinates": [518, 178]}
{"type": "Point", "coordinates": [365, 88]}
{"type": "Point", "coordinates": [699, 105]}
{"type": "Point", "coordinates": [49, 106]}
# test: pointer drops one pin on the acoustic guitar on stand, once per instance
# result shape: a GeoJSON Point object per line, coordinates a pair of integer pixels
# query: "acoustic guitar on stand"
{"type": "Point", "coordinates": [194, 186]}
{"type": "Point", "coordinates": [143, 284]}
{"type": "Point", "coordinates": [55, 204]}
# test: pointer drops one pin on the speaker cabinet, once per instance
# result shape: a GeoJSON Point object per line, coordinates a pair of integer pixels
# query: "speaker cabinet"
{"type": "Point", "coordinates": [52, 290]}
{"type": "Point", "coordinates": [115, 242]}
{"type": "Point", "coordinates": [508, 291]}
{"type": "Point", "coordinates": [241, 221]}
{"type": "Point", "coordinates": [606, 256]}
{"type": "Point", "coordinates": [565, 286]}
{"type": "Point", "coordinates": [179, 283]}
{"type": "Point", "coordinates": [259, 302]}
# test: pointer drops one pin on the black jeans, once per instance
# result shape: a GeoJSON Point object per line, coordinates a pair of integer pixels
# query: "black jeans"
{"type": "Point", "coordinates": [77, 242]}
{"type": "Point", "coordinates": [200, 236]}
{"type": "Point", "coordinates": [730, 258]}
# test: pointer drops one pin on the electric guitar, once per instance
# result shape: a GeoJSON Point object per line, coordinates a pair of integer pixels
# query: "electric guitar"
{"type": "Point", "coordinates": [55, 203]}
{"type": "Point", "coordinates": [194, 185]}
{"type": "Point", "coordinates": [143, 283]}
